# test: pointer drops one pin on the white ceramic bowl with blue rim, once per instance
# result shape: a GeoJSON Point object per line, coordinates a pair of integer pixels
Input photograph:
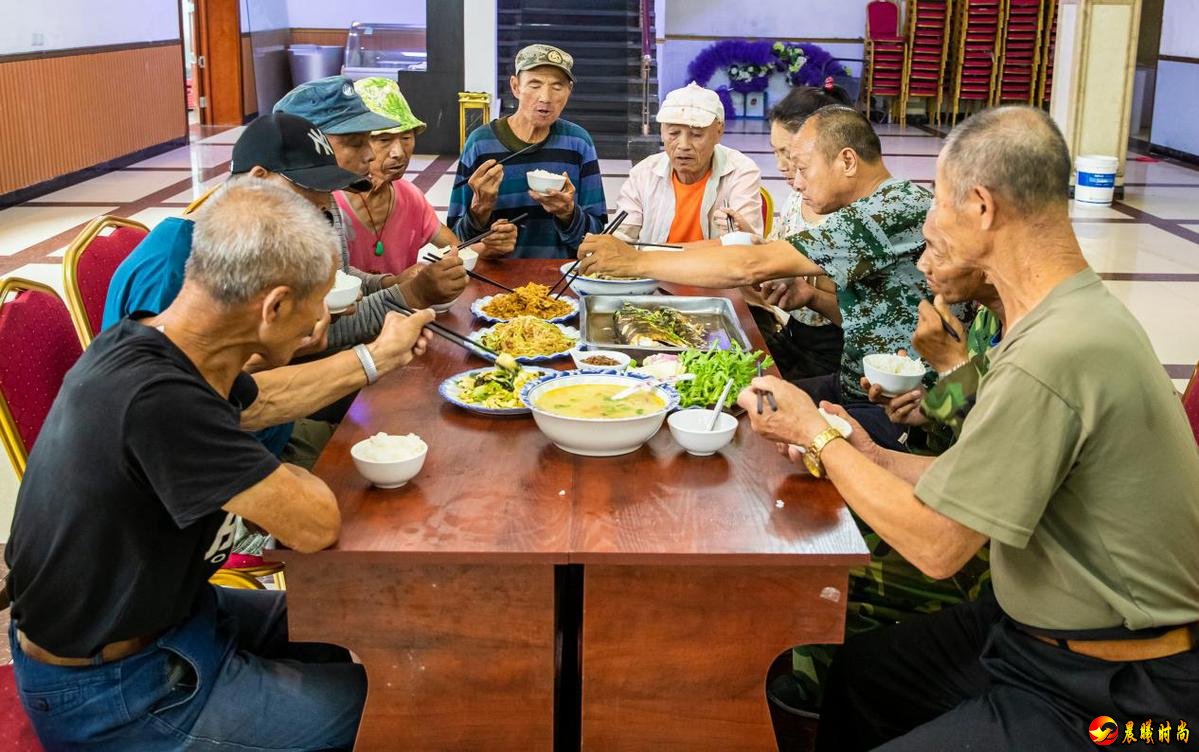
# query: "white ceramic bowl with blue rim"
{"type": "Point", "coordinates": [592, 286]}
{"type": "Point", "coordinates": [569, 331]}
{"type": "Point", "coordinates": [596, 437]}
{"type": "Point", "coordinates": [477, 309]}
{"type": "Point", "coordinates": [449, 391]}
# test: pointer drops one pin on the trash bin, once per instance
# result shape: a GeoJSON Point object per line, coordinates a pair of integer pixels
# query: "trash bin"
{"type": "Point", "coordinates": [312, 61]}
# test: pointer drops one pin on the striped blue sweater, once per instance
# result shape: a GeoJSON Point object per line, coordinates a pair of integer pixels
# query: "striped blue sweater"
{"type": "Point", "coordinates": [569, 149]}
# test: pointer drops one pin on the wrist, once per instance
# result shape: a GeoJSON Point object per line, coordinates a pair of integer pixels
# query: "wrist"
{"type": "Point", "coordinates": [943, 372]}
{"type": "Point", "coordinates": [413, 295]}
{"type": "Point", "coordinates": [366, 359]}
{"type": "Point", "coordinates": [480, 211]}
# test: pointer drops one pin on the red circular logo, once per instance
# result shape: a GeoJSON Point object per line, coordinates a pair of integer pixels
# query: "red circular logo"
{"type": "Point", "coordinates": [1104, 731]}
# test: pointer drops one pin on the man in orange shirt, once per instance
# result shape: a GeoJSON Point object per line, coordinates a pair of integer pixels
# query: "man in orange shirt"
{"type": "Point", "coordinates": [677, 196]}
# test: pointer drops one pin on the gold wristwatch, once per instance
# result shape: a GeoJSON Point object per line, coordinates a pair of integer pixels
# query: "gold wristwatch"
{"type": "Point", "coordinates": [811, 458]}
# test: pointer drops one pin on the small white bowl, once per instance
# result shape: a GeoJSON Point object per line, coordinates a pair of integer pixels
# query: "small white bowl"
{"type": "Point", "coordinates": [879, 367]}
{"type": "Point", "coordinates": [344, 292]}
{"type": "Point", "coordinates": [589, 286]}
{"type": "Point", "coordinates": [388, 474]}
{"type": "Point", "coordinates": [689, 429]}
{"type": "Point", "coordinates": [542, 181]}
{"type": "Point", "coordinates": [737, 238]}
{"type": "Point", "coordinates": [580, 358]}
{"type": "Point", "coordinates": [444, 307]}
{"type": "Point", "coordinates": [469, 257]}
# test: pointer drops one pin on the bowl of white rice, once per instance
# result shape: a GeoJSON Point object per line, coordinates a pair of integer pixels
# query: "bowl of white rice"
{"type": "Point", "coordinates": [389, 461]}
{"type": "Point", "coordinates": [896, 374]}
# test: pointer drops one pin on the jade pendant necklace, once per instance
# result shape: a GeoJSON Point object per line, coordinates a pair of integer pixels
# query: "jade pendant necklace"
{"type": "Point", "coordinates": [379, 232]}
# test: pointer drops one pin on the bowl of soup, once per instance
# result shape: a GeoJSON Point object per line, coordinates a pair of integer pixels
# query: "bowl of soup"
{"type": "Point", "coordinates": [576, 410]}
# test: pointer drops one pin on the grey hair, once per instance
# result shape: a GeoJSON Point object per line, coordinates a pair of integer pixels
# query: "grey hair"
{"type": "Point", "coordinates": [1016, 152]}
{"type": "Point", "coordinates": [840, 127]}
{"type": "Point", "coordinates": [252, 235]}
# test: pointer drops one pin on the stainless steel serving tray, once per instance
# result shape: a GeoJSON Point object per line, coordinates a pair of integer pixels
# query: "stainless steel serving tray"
{"type": "Point", "coordinates": [597, 330]}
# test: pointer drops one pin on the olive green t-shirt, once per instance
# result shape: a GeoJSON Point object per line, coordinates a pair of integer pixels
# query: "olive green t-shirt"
{"type": "Point", "coordinates": [1079, 463]}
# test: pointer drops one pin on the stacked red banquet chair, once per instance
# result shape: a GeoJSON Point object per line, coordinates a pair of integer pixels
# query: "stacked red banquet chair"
{"type": "Point", "coordinates": [886, 55]}
{"type": "Point", "coordinates": [928, 45]}
{"type": "Point", "coordinates": [1048, 42]}
{"type": "Point", "coordinates": [1019, 52]}
{"type": "Point", "coordinates": [977, 51]}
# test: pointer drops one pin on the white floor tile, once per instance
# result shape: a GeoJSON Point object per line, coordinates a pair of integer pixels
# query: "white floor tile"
{"type": "Point", "coordinates": [194, 157]}
{"type": "Point", "coordinates": [894, 145]}
{"type": "Point", "coordinates": [196, 190]}
{"type": "Point", "coordinates": [123, 186]}
{"type": "Point", "coordinates": [439, 194]}
{"type": "Point", "coordinates": [1136, 248]}
{"type": "Point", "coordinates": [155, 214]}
{"type": "Point", "coordinates": [47, 274]}
{"type": "Point", "coordinates": [1159, 172]}
{"type": "Point", "coordinates": [1168, 311]}
{"type": "Point", "coordinates": [1167, 203]}
{"type": "Point", "coordinates": [615, 166]}
{"type": "Point", "coordinates": [1084, 212]}
{"type": "Point", "coordinates": [26, 225]}
{"type": "Point", "coordinates": [225, 137]}
{"type": "Point", "coordinates": [912, 168]}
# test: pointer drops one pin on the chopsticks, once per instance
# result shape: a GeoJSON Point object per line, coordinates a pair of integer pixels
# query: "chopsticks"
{"type": "Point", "coordinates": [656, 245]}
{"type": "Point", "coordinates": [463, 181]}
{"type": "Point", "coordinates": [765, 394]}
{"type": "Point", "coordinates": [611, 228]}
{"type": "Point", "coordinates": [948, 329]}
{"type": "Point", "coordinates": [475, 348]}
{"type": "Point", "coordinates": [486, 234]}
{"type": "Point", "coordinates": [433, 260]}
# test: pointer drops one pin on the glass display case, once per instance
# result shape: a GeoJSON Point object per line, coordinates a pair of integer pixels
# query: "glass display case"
{"type": "Point", "coordinates": [384, 49]}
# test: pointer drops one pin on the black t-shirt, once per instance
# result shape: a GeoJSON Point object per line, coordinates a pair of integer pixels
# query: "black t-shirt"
{"type": "Point", "coordinates": [118, 521]}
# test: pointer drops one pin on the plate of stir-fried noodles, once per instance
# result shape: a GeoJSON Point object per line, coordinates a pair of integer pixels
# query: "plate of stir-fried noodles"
{"type": "Point", "coordinates": [528, 300]}
{"type": "Point", "coordinates": [529, 339]}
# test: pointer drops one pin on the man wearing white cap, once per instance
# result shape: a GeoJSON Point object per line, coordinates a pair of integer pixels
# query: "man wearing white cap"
{"type": "Point", "coordinates": [677, 196]}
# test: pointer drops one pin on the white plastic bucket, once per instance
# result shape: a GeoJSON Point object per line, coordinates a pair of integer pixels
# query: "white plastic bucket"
{"type": "Point", "coordinates": [1096, 179]}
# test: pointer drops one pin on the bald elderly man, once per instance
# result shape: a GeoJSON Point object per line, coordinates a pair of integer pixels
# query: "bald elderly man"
{"type": "Point", "coordinates": [1077, 463]}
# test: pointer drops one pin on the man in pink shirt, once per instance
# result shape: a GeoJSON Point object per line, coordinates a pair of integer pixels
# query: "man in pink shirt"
{"type": "Point", "coordinates": [387, 226]}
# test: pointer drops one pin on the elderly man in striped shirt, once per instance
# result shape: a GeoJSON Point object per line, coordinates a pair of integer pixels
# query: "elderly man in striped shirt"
{"type": "Point", "coordinates": [498, 157]}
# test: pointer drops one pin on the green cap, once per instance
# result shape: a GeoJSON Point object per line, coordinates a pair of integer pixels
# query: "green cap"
{"type": "Point", "coordinates": [537, 55]}
{"type": "Point", "coordinates": [383, 97]}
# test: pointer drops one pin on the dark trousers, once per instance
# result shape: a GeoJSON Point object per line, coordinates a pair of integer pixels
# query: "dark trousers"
{"type": "Point", "coordinates": [872, 417]}
{"type": "Point", "coordinates": [801, 351]}
{"type": "Point", "coordinates": [967, 678]}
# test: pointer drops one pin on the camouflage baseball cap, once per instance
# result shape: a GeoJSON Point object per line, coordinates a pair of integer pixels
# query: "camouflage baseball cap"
{"type": "Point", "coordinates": [537, 55]}
{"type": "Point", "coordinates": [383, 97]}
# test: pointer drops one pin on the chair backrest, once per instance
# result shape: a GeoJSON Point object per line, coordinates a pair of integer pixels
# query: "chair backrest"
{"type": "Point", "coordinates": [38, 345]}
{"type": "Point", "coordinates": [90, 261]}
{"type": "Point", "coordinates": [882, 19]}
{"type": "Point", "coordinates": [767, 212]}
{"type": "Point", "coordinates": [1190, 402]}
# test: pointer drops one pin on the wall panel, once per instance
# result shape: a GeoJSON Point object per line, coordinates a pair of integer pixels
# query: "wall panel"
{"type": "Point", "coordinates": [76, 111]}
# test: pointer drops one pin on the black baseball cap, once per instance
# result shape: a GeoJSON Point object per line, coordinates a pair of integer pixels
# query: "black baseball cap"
{"type": "Point", "coordinates": [295, 148]}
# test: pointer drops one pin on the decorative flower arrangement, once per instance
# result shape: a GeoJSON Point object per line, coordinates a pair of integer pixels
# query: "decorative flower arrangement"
{"type": "Point", "coordinates": [749, 66]}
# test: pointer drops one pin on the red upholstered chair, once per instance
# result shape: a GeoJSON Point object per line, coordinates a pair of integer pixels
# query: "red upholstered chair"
{"type": "Point", "coordinates": [1190, 402]}
{"type": "Point", "coordinates": [886, 54]}
{"type": "Point", "coordinates": [16, 733]}
{"type": "Point", "coordinates": [39, 344]}
{"type": "Point", "coordinates": [89, 264]}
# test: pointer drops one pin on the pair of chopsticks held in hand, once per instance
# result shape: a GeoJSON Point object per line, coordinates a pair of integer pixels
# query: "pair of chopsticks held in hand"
{"type": "Point", "coordinates": [566, 276]}
{"type": "Point", "coordinates": [433, 259]}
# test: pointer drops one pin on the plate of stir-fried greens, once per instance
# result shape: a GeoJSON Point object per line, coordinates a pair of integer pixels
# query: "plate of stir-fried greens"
{"type": "Point", "coordinates": [492, 390]}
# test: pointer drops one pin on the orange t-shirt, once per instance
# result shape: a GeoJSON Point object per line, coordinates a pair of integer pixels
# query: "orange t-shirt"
{"type": "Point", "coordinates": [688, 200]}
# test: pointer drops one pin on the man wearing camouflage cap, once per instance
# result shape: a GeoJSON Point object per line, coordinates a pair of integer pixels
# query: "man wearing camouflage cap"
{"type": "Point", "coordinates": [558, 219]}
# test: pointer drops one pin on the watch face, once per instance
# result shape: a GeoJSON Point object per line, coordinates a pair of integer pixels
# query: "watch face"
{"type": "Point", "coordinates": [812, 464]}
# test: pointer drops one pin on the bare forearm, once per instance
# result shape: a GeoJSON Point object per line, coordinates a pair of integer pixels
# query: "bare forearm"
{"type": "Point", "coordinates": [723, 267]}
{"type": "Point", "coordinates": [443, 237]}
{"type": "Point", "coordinates": [291, 392]}
{"type": "Point", "coordinates": [886, 501]}
{"type": "Point", "coordinates": [825, 303]}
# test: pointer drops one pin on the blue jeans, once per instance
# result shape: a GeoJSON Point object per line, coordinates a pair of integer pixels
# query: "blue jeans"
{"type": "Point", "coordinates": [227, 679]}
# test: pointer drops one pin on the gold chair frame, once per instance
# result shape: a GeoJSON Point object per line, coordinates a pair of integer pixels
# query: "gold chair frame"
{"type": "Point", "coordinates": [70, 270]}
{"type": "Point", "coordinates": [767, 211]}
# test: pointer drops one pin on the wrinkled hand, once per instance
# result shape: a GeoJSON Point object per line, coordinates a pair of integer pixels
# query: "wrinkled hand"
{"type": "Point", "coordinates": [937, 348]}
{"type": "Point", "coordinates": [401, 339]}
{"type": "Point", "coordinates": [499, 243]}
{"type": "Point", "coordinates": [796, 421]}
{"type": "Point", "coordinates": [858, 438]}
{"type": "Point", "coordinates": [789, 294]}
{"type": "Point", "coordinates": [608, 254]}
{"type": "Point", "coordinates": [559, 204]}
{"type": "Point", "coordinates": [903, 409]}
{"type": "Point", "coordinates": [739, 221]}
{"type": "Point", "coordinates": [440, 282]}
{"type": "Point", "coordinates": [485, 187]}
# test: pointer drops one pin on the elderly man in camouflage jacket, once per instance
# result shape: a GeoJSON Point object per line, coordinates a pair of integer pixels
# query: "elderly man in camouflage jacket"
{"type": "Point", "coordinates": [868, 246]}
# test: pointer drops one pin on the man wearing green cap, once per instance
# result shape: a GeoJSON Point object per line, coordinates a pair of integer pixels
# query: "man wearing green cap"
{"type": "Point", "coordinates": [557, 220]}
{"type": "Point", "coordinates": [388, 225]}
{"type": "Point", "coordinates": [335, 107]}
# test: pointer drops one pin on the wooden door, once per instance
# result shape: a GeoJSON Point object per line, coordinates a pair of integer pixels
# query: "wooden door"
{"type": "Point", "coordinates": [218, 51]}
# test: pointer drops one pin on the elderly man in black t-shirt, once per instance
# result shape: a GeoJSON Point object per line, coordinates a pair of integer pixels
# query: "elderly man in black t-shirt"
{"type": "Point", "coordinates": [129, 501]}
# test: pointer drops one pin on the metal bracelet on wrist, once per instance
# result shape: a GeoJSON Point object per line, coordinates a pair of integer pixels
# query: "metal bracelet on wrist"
{"type": "Point", "coordinates": [368, 363]}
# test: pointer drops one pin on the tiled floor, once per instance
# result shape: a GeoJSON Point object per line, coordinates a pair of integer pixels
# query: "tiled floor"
{"type": "Point", "coordinates": [1146, 246]}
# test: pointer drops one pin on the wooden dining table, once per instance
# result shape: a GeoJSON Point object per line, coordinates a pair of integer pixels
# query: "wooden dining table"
{"type": "Point", "coordinates": [516, 597]}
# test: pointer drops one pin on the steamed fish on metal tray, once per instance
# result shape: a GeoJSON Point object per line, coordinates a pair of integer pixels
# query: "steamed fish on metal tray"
{"type": "Point", "coordinates": [647, 327]}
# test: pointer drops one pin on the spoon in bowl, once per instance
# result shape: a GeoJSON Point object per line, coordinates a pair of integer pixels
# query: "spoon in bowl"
{"type": "Point", "coordinates": [728, 387]}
